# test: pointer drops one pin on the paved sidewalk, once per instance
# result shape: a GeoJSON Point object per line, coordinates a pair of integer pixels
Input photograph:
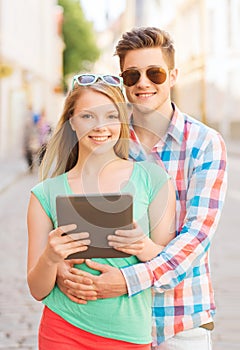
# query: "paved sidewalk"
{"type": "Point", "coordinates": [11, 169]}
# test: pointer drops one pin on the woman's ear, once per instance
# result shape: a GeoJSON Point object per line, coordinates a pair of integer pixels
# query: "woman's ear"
{"type": "Point", "coordinates": [72, 124]}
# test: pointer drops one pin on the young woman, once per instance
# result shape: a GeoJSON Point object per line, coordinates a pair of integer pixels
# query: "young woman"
{"type": "Point", "coordinates": [88, 154]}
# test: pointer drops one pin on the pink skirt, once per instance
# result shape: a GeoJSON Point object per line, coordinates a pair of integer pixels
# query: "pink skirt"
{"type": "Point", "coordinates": [57, 334]}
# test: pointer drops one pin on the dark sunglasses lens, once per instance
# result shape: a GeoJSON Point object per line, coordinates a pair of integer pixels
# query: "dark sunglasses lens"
{"type": "Point", "coordinates": [110, 79]}
{"type": "Point", "coordinates": [86, 79]}
{"type": "Point", "coordinates": [130, 77]}
{"type": "Point", "coordinates": [157, 75]}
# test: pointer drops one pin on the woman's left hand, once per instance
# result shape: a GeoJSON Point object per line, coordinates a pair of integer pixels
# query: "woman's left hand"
{"type": "Point", "coordinates": [128, 241]}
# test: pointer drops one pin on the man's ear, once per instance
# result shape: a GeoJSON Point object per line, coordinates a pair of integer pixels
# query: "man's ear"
{"type": "Point", "coordinates": [72, 124]}
{"type": "Point", "coordinates": [173, 77]}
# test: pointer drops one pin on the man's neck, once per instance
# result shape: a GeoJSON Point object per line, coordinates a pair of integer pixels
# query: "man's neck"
{"type": "Point", "coordinates": [151, 127]}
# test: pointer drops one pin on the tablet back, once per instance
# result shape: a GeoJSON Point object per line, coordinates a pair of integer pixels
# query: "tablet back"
{"type": "Point", "coordinates": [100, 215]}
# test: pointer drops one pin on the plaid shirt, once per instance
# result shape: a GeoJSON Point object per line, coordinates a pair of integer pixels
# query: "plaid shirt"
{"type": "Point", "coordinates": [195, 157]}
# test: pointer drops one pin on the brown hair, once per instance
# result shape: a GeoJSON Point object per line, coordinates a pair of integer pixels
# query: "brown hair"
{"type": "Point", "coordinates": [144, 37]}
{"type": "Point", "coordinates": [62, 150]}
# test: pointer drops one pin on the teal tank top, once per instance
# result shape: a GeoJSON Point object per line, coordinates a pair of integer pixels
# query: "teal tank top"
{"type": "Point", "coordinates": [122, 318]}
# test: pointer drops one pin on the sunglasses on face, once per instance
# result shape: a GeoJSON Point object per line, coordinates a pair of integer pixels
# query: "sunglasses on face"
{"type": "Point", "coordinates": [90, 79]}
{"type": "Point", "coordinates": [157, 75]}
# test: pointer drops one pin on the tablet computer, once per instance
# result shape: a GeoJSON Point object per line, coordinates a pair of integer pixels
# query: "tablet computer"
{"type": "Point", "coordinates": [98, 214]}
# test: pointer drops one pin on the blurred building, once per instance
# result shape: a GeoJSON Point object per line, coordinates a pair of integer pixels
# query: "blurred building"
{"type": "Point", "coordinates": [207, 54]}
{"type": "Point", "coordinates": [136, 13]}
{"type": "Point", "coordinates": [30, 66]}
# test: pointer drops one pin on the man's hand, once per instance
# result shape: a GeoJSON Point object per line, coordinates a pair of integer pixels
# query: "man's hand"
{"type": "Point", "coordinates": [76, 287]}
{"type": "Point", "coordinates": [81, 286]}
{"type": "Point", "coordinates": [109, 284]}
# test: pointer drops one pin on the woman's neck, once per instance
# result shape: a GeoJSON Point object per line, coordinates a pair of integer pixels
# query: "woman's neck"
{"type": "Point", "coordinates": [93, 163]}
{"type": "Point", "coordinates": [98, 173]}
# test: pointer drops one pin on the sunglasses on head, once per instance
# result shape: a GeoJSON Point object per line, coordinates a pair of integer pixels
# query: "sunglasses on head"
{"type": "Point", "coordinates": [157, 75]}
{"type": "Point", "coordinates": [90, 79]}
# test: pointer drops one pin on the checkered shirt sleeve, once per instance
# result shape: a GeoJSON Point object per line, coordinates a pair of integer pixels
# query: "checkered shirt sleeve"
{"type": "Point", "coordinates": [195, 157]}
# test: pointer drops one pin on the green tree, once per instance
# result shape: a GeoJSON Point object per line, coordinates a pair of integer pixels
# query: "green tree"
{"type": "Point", "coordinates": [81, 49]}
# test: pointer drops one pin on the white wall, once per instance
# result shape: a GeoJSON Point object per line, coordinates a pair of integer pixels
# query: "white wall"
{"type": "Point", "coordinates": [206, 34]}
{"type": "Point", "coordinates": [31, 45]}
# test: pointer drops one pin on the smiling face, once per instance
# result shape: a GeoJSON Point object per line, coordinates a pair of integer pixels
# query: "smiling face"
{"type": "Point", "coordinates": [96, 122]}
{"type": "Point", "coordinates": [145, 95]}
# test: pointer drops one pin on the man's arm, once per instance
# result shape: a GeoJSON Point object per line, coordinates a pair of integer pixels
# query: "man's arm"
{"type": "Point", "coordinates": [205, 197]}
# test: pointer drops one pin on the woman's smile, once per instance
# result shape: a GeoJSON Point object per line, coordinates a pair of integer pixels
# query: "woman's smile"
{"type": "Point", "coordinates": [100, 139]}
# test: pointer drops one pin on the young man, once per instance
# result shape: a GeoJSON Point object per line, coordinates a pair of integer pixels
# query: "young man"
{"type": "Point", "coordinates": [195, 157]}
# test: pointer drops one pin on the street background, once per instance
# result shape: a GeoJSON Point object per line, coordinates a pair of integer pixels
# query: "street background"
{"type": "Point", "coordinates": [34, 71]}
{"type": "Point", "coordinates": [20, 314]}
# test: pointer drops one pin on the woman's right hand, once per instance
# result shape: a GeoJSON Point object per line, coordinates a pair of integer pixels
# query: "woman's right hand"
{"type": "Point", "coordinates": [60, 245]}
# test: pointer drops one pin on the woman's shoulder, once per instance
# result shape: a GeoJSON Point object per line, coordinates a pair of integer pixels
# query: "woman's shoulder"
{"type": "Point", "coordinates": [150, 168]}
{"type": "Point", "coordinates": [151, 176]}
{"type": "Point", "coordinates": [48, 184]}
{"type": "Point", "coordinates": [150, 173]}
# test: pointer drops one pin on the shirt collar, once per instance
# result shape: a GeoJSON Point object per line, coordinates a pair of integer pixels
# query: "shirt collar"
{"type": "Point", "coordinates": [176, 126]}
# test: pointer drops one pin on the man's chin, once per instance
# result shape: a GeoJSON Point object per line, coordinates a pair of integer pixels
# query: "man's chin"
{"type": "Point", "coordinates": [143, 108]}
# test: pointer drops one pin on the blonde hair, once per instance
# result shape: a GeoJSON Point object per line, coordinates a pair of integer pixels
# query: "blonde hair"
{"type": "Point", "coordinates": [145, 37]}
{"type": "Point", "coordinates": [62, 150]}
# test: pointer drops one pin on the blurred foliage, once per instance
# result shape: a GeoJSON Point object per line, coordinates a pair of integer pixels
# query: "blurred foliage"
{"type": "Point", "coordinates": [79, 37]}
